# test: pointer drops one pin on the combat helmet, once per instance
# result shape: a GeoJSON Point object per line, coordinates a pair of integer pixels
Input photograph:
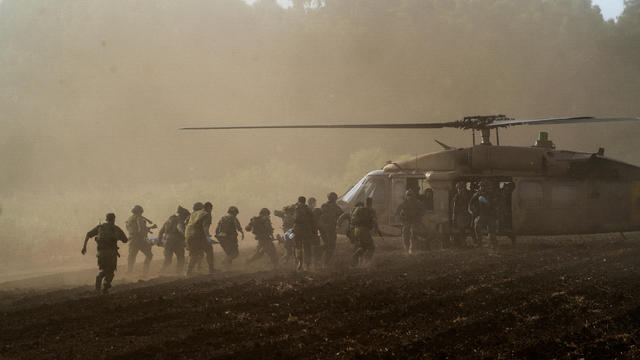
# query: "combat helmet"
{"type": "Point", "coordinates": [332, 196]}
{"type": "Point", "coordinates": [265, 212]}
{"type": "Point", "coordinates": [137, 209]}
{"type": "Point", "coordinates": [233, 210]}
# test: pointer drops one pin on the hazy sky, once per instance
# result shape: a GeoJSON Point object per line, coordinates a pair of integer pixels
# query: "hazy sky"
{"type": "Point", "coordinates": [610, 8]}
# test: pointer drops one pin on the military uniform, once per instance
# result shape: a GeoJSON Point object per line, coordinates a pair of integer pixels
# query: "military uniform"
{"type": "Point", "coordinates": [363, 221]}
{"type": "Point", "coordinates": [262, 230]}
{"type": "Point", "coordinates": [227, 235]}
{"type": "Point", "coordinates": [483, 206]}
{"type": "Point", "coordinates": [196, 238]}
{"type": "Point", "coordinates": [138, 230]}
{"type": "Point", "coordinates": [172, 235]}
{"type": "Point", "coordinates": [410, 211]}
{"type": "Point", "coordinates": [331, 212]}
{"type": "Point", "coordinates": [460, 216]}
{"type": "Point", "coordinates": [107, 236]}
{"type": "Point", "coordinates": [303, 229]}
{"type": "Point", "coordinates": [288, 215]}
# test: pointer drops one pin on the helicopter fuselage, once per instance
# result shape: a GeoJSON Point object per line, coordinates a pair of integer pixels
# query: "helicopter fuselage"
{"type": "Point", "coordinates": [555, 191]}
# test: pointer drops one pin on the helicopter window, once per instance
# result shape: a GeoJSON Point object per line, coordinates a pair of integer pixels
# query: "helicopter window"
{"type": "Point", "coordinates": [374, 188]}
{"type": "Point", "coordinates": [350, 195]}
{"type": "Point", "coordinates": [530, 193]}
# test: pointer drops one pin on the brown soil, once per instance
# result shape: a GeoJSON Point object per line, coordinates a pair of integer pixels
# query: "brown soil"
{"type": "Point", "coordinates": [542, 298]}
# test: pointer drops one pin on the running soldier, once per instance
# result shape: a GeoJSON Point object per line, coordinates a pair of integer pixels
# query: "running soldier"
{"type": "Point", "coordinates": [138, 230]}
{"type": "Point", "coordinates": [331, 212]}
{"type": "Point", "coordinates": [460, 216]}
{"type": "Point", "coordinates": [364, 221]}
{"type": "Point", "coordinates": [303, 229]}
{"type": "Point", "coordinates": [410, 212]}
{"type": "Point", "coordinates": [262, 230]}
{"type": "Point", "coordinates": [107, 236]}
{"type": "Point", "coordinates": [197, 236]}
{"type": "Point", "coordinates": [172, 236]}
{"type": "Point", "coordinates": [482, 207]}
{"type": "Point", "coordinates": [227, 234]}
{"type": "Point", "coordinates": [288, 216]}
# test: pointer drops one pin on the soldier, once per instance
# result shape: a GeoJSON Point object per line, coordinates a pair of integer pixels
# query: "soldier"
{"type": "Point", "coordinates": [288, 215]}
{"type": "Point", "coordinates": [262, 230]}
{"type": "Point", "coordinates": [227, 234]}
{"type": "Point", "coordinates": [172, 236]}
{"type": "Point", "coordinates": [138, 230]}
{"type": "Point", "coordinates": [410, 212]}
{"type": "Point", "coordinates": [460, 216]}
{"type": "Point", "coordinates": [482, 207]}
{"type": "Point", "coordinates": [364, 220]}
{"type": "Point", "coordinates": [197, 235]}
{"type": "Point", "coordinates": [107, 236]}
{"type": "Point", "coordinates": [303, 229]}
{"type": "Point", "coordinates": [331, 212]}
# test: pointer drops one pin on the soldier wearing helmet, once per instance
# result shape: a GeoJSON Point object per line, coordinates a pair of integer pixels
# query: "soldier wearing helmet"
{"type": "Point", "coordinates": [410, 212]}
{"type": "Point", "coordinates": [303, 228]}
{"type": "Point", "coordinates": [483, 209]}
{"type": "Point", "coordinates": [171, 235]}
{"type": "Point", "coordinates": [331, 212]}
{"type": "Point", "coordinates": [460, 216]}
{"type": "Point", "coordinates": [138, 230]}
{"type": "Point", "coordinates": [197, 237]}
{"type": "Point", "coordinates": [227, 234]}
{"type": "Point", "coordinates": [107, 236]}
{"type": "Point", "coordinates": [262, 230]}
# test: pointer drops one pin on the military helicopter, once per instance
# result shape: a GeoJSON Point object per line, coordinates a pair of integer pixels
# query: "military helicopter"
{"type": "Point", "coordinates": [552, 192]}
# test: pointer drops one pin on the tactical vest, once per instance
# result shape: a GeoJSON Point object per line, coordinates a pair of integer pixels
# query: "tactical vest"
{"type": "Point", "coordinates": [107, 237]}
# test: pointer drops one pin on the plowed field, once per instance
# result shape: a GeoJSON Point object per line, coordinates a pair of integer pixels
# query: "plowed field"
{"type": "Point", "coordinates": [542, 298]}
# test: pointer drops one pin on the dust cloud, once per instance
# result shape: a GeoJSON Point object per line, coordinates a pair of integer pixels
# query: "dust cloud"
{"type": "Point", "coordinates": [93, 94]}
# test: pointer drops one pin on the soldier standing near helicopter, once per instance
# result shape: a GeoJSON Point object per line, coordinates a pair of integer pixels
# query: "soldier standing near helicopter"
{"type": "Point", "coordinates": [262, 230]}
{"type": "Point", "coordinates": [482, 207]}
{"type": "Point", "coordinates": [303, 229]}
{"type": "Point", "coordinates": [138, 230]}
{"type": "Point", "coordinates": [364, 220]}
{"type": "Point", "coordinates": [288, 216]}
{"type": "Point", "coordinates": [460, 216]}
{"type": "Point", "coordinates": [410, 212]}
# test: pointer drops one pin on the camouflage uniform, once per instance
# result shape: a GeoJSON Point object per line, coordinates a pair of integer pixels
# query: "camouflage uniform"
{"type": "Point", "coordinates": [107, 236]}
{"type": "Point", "coordinates": [227, 235]}
{"type": "Point", "coordinates": [138, 230]}
{"type": "Point", "coordinates": [410, 211]}
{"type": "Point", "coordinates": [331, 212]}
{"type": "Point", "coordinates": [196, 238]}
{"type": "Point", "coordinates": [262, 230]}
{"type": "Point", "coordinates": [303, 228]}
{"type": "Point", "coordinates": [172, 235]}
{"type": "Point", "coordinates": [363, 221]}
{"type": "Point", "coordinates": [288, 215]}
{"type": "Point", "coordinates": [460, 215]}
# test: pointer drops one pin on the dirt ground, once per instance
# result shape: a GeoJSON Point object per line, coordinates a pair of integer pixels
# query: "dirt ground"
{"type": "Point", "coordinates": [562, 297]}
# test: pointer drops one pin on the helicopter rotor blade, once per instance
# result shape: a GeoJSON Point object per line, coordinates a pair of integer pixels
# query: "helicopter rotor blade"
{"type": "Point", "coordinates": [452, 124]}
{"type": "Point", "coordinates": [551, 121]}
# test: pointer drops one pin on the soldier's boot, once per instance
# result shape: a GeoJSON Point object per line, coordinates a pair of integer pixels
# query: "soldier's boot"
{"type": "Point", "coordinates": [107, 283]}
{"type": "Point", "coordinates": [99, 280]}
{"type": "Point", "coordinates": [147, 262]}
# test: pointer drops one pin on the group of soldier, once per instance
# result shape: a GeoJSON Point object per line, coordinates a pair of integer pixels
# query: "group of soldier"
{"type": "Point", "coordinates": [309, 240]}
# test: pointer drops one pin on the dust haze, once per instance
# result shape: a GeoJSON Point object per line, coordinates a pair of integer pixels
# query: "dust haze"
{"type": "Point", "coordinates": [93, 93]}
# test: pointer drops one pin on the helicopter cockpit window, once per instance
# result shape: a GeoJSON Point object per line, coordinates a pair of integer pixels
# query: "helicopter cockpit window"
{"type": "Point", "coordinates": [372, 187]}
{"type": "Point", "coordinates": [350, 195]}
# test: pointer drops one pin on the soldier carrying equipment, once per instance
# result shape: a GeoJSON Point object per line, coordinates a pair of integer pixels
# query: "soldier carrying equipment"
{"type": "Point", "coordinates": [138, 230]}
{"type": "Point", "coordinates": [331, 212]}
{"type": "Point", "coordinates": [363, 221]}
{"type": "Point", "coordinates": [196, 235]}
{"type": "Point", "coordinates": [410, 212]}
{"type": "Point", "coordinates": [303, 228]}
{"type": "Point", "coordinates": [107, 236]}
{"type": "Point", "coordinates": [482, 207]}
{"type": "Point", "coordinates": [262, 230]}
{"type": "Point", "coordinates": [172, 236]}
{"type": "Point", "coordinates": [227, 234]}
